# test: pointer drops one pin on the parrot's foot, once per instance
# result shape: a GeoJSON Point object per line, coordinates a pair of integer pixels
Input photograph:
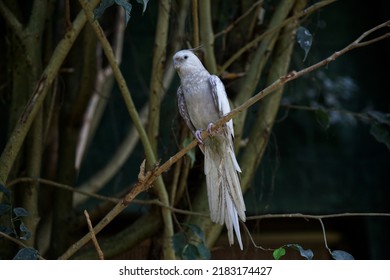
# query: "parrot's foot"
{"type": "Point", "coordinates": [210, 128]}
{"type": "Point", "coordinates": [198, 136]}
{"type": "Point", "coordinates": [211, 131]}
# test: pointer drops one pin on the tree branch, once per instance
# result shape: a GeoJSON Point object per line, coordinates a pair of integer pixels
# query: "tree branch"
{"type": "Point", "coordinates": [316, 217]}
{"type": "Point", "coordinates": [259, 38]}
{"type": "Point", "coordinates": [157, 69]}
{"type": "Point", "coordinates": [207, 35]}
{"type": "Point", "coordinates": [297, 74]}
{"type": "Point", "coordinates": [17, 241]}
{"type": "Point", "coordinates": [36, 23]}
{"type": "Point", "coordinates": [148, 149]}
{"type": "Point", "coordinates": [240, 18]}
{"type": "Point", "coordinates": [23, 125]}
{"type": "Point", "coordinates": [195, 24]}
{"type": "Point", "coordinates": [259, 60]}
{"type": "Point", "coordinates": [93, 236]}
{"type": "Point", "coordinates": [11, 20]}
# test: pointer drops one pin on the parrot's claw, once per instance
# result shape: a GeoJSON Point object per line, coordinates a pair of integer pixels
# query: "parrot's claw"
{"type": "Point", "coordinates": [198, 136]}
{"type": "Point", "coordinates": [198, 133]}
{"type": "Point", "coordinates": [209, 129]}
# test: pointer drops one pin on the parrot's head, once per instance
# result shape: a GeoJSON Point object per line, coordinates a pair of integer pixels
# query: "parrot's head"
{"type": "Point", "coordinates": [186, 62]}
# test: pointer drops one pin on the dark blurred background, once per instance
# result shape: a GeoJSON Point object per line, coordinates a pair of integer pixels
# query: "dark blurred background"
{"type": "Point", "coordinates": [311, 165]}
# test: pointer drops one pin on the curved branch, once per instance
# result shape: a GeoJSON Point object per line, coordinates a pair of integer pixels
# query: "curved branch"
{"type": "Point", "coordinates": [33, 106]}
{"type": "Point", "coordinates": [255, 41]}
{"type": "Point", "coordinates": [12, 21]}
{"type": "Point", "coordinates": [148, 149]}
{"type": "Point", "coordinates": [17, 241]}
{"type": "Point", "coordinates": [239, 19]}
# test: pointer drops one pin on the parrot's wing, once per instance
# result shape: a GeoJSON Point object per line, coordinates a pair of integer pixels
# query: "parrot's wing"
{"type": "Point", "coordinates": [220, 100]}
{"type": "Point", "coordinates": [183, 109]}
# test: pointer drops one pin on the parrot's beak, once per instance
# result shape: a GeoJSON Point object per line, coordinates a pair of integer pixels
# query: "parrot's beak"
{"type": "Point", "coordinates": [176, 62]}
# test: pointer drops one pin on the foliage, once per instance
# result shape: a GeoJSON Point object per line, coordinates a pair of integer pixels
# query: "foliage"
{"type": "Point", "coordinates": [280, 252]}
{"type": "Point", "coordinates": [26, 254]}
{"type": "Point", "coordinates": [308, 254]}
{"type": "Point", "coordinates": [127, 7]}
{"type": "Point", "coordinates": [189, 248]}
{"type": "Point", "coordinates": [16, 214]}
{"type": "Point", "coordinates": [341, 255]}
{"type": "Point", "coordinates": [304, 39]}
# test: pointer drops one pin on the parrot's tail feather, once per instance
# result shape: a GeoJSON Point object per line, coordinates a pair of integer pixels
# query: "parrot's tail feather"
{"type": "Point", "coordinates": [226, 202]}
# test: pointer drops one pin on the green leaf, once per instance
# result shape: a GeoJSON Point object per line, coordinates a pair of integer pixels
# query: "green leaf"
{"type": "Point", "coordinates": [381, 133]}
{"type": "Point", "coordinates": [4, 208]}
{"type": "Point", "coordinates": [104, 4]}
{"type": "Point", "coordinates": [127, 7]}
{"type": "Point", "coordinates": [308, 254]}
{"type": "Point", "coordinates": [26, 254]}
{"type": "Point", "coordinates": [5, 191]}
{"type": "Point", "coordinates": [144, 3]}
{"type": "Point", "coordinates": [304, 39]}
{"type": "Point", "coordinates": [197, 231]}
{"type": "Point", "coordinates": [190, 252]}
{"type": "Point", "coordinates": [6, 230]}
{"type": "Point", "coordinates": [20, 212]}
{"type": "Point", "coordinates": [322, 118]}
{"type": "Point", "coordinates": [191, 248]}
{"type": "Point", "coordinates": [341, 255]}
{"type": "Point", "coordinates": [278, 253]}
{"type": "Point", "coordinates": [203, 251]}
{"type": "Point", "coordinates": [179, 241]}
{"type": "Point", "coordinates": [25, 231]}
{"type": "Point", "coordinates": [190, 153]}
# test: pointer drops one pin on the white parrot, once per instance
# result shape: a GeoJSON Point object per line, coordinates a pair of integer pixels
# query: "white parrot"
{"type": "Point", "coordinates": [202, 100]}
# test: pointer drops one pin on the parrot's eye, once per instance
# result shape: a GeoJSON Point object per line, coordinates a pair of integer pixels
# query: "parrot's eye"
{"type": "Point", "coordinates": [186, 56]}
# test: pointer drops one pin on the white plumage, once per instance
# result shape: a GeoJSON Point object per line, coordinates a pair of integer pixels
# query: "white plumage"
{"type": "Point", "coordinates": [202, 100]}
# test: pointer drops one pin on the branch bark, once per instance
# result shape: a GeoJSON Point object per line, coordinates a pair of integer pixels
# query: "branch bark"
{"type": "Point", "coordinates": [207, 35]}
{"type": "Point", "coordinates": [156, 80]}
{"type": "Point", "coordinates": [150, 156]}
{"type": "Point", "coordinates": [45, 81]}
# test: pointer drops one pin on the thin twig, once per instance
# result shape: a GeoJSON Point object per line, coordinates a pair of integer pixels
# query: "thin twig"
{"type": "Point", "coordinates": [316, 217]}
{"type": "Point", "coordinates": [62, 186]}
{"type": "Point", "coordinates": [324, 234]}
{"type": "Point", "coordinates": [287, 21]}
{"type": "Point", "coordinates": [93, 236]}
{"type": "Point", "coordinates": [297, 74]}
{"type": "Point", "coordinates": [314, 109]}
{"type": "Point", "coordinates": [100, 197]}
{"type": "Point", "coordinates": [319, 218]}
{"type": "Point", "coordinates": [251, 239]}
{"type": "Point", "coordinates": [18, 242]}
{"type": "Point", "coordinates": [240, 18]}
{"type": "Point", "coordinates": [12, 21]}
